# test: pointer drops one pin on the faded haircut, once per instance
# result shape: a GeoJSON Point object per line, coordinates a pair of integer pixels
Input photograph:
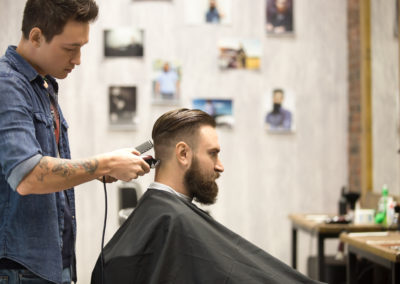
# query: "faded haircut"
{"type": "Point", "coordinates": [178, 125]}
{"type": "Point", "coordinates": [50, 16]}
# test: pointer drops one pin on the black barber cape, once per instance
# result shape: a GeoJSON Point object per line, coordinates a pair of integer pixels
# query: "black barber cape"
{"type": "Point", "coordinates": [169, 240]}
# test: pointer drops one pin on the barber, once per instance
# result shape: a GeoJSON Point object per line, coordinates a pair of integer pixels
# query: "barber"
{"type": "Point", "coordinates": [37, 176]}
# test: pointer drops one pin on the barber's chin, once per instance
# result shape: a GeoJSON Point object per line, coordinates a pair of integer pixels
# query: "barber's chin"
{"type": "Point", "coordinates": [62, 75]}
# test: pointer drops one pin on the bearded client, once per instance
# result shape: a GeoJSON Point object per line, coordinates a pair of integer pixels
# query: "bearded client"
{"type": "Point", "coordinates": [168, 239]}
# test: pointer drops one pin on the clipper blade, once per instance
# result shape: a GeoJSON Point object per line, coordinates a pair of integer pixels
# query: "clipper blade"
{"type": "Point", "coordinates": [153, 163]}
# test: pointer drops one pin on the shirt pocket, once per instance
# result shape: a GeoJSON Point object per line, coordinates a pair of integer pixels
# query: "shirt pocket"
{"type": "Point", "coordinates": [44, 132]}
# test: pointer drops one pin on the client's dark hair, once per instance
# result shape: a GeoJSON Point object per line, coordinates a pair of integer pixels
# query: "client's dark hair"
{"type": "Point", "coordinates": [50, 16]}
{"type": "Point", "coordinates": [178, 125]}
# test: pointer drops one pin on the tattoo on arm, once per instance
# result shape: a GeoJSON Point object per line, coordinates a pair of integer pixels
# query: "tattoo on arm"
{"type": "Point", "coordinates": [66, 168]}
{"type": "Point", "coordinates": [90, 166]}
{"type": "Point", "coordinates": [44, 166]}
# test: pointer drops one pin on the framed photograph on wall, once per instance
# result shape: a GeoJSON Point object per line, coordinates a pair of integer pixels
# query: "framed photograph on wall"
{"type": "Point", "coordinates": [280, 111]}
{"type": "Point", "coordinates": [208, 12]}
{"type": "Point", "coordinates": [123, 42]}
{"type": "Point", "coordinates": [166, 82]}
{"type": "Point", "coordinates": [279, 17]}
{"type": "Point", "coordinates": [219, 109]}
{"type": "Point", "coordinates": [122, 107]}
{"type": "Point", "coordinates": [239, 54]}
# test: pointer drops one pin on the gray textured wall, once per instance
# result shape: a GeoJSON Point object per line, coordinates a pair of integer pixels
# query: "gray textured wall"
{"type": "Point", "coordinates": [266, 176]}
{"type": "Point", "coordinates": [385, 93]}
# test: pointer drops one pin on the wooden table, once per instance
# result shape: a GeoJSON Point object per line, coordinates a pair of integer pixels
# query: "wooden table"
{"type": "Point", "coordinates": [314, 224]}
{"type": "Point", "coordinates": [382, 248]}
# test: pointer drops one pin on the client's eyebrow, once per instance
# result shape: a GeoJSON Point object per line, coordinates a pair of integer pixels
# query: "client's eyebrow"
{"type": "Point", "coordinates": [214, 150]}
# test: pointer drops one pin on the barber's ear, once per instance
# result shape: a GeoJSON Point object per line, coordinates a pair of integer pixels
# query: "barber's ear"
{"type": "Point", "coordinates": [183, 154]}
{"type": "Point", "coordinates": [36, 37]}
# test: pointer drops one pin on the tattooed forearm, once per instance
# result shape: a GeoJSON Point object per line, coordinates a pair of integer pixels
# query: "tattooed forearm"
{"type": "Point", "coordinates": [44, 166]}
{"type": "Point", "coordinates": [65, 168]}
{"type": "Point", "coordinates": [90, 166]}
{"type": "Point", "coordinates": [68, 168]}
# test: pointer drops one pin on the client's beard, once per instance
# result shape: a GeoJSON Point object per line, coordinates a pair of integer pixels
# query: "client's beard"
{"type": "Point", "coordinates": [203, 189]}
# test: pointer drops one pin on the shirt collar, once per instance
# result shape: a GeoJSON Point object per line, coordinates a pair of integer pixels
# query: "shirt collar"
{"type": "Point", "coordinates": [161, 186]}
{"type": "Point", "coordinates": [25, 68]}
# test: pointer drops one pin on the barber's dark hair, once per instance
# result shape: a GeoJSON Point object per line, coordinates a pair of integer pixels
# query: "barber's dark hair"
{"type": "Point", "coordinates": [50, 16]}
{"type": "Point", "coordinates": [180, 124]}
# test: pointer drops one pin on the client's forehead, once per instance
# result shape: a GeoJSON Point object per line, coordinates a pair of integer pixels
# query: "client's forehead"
{"type": "Point", "coordinates": [207, 137]}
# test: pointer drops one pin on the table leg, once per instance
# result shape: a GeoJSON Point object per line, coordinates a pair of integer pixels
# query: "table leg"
{"type": "Point", "coordinates": [351, 268]}
{"type": "Point", "coordinates": [294, 248]}
{"type": "Point", "coordinates": [395, 272]}
{"type": "Point", "coordinates": [321, 258]}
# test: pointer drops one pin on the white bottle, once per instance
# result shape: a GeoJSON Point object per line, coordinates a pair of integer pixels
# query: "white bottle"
{"type": "Point", "coordinates": [390, 211]}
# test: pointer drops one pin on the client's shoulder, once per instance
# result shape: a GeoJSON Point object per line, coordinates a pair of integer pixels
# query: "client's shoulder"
{"type": "Point", "coordinates": [164, 202]}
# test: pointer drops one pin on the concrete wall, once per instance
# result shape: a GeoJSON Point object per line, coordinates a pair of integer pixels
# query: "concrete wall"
{"type": "Point", "coordinates": [266, 176]}
{"type": "Point", "coordinates": [385, 94]}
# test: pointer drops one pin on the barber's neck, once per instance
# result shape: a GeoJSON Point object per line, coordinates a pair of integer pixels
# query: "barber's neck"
{"type": "Point", "coordinates": [29, 53]}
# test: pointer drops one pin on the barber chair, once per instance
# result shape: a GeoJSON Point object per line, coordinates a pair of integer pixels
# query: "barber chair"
{"type": "Point", "coordinates": [128, 196]}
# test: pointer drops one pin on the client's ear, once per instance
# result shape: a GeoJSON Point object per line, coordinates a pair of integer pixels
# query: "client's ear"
{"type": "Point", "coordinates": [183, 153]}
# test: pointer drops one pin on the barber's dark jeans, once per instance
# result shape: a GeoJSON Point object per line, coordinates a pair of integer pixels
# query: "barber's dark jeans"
{"type": "Point", "coordinates": [23, 276]}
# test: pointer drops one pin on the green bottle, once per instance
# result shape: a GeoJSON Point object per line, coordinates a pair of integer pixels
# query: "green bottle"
{"type": "Point", "coordinates": [380, 217]}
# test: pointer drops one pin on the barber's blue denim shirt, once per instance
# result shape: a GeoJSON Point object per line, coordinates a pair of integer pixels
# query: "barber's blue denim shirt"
{"type": "Point", "coordinates": [31, 226]}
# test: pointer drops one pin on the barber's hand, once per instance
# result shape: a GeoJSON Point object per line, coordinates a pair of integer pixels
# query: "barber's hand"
{"type": "Point", "coordinates": [126, 164]}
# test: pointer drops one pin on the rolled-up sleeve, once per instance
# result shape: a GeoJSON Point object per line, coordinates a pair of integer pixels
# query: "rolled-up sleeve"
{"type": "Point", "coordinates": [20, 150]}
{"type": "Point", "coordinates": [20, 171]}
